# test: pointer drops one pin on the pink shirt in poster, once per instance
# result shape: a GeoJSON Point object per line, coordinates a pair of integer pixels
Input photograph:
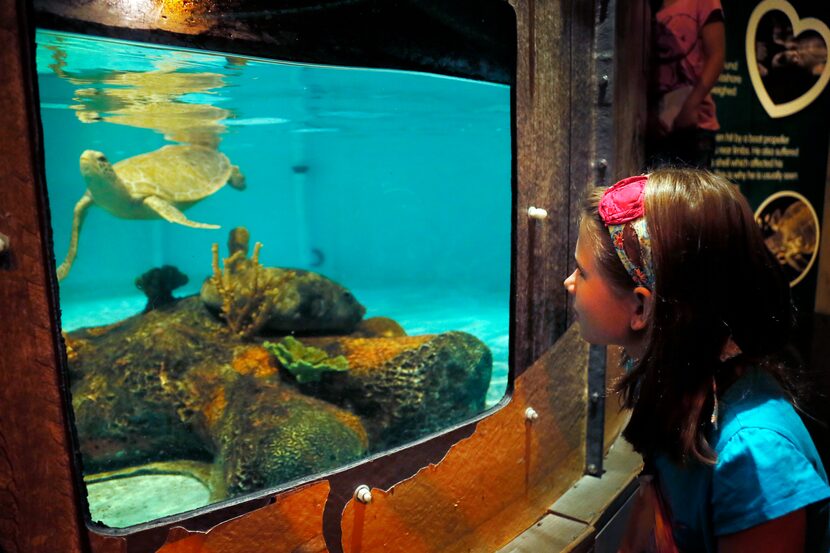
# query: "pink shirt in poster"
{"type": "Point", "coordinates": [679, 51]}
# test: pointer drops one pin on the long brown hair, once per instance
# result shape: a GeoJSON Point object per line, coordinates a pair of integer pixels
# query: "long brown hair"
{"type": "Point", "coordinates": [714, 279]}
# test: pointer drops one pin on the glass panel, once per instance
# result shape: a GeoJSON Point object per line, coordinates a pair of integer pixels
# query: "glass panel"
{"type": "Point", "coordinates": [281, 269]}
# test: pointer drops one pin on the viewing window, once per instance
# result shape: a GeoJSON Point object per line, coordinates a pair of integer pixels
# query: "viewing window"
{"type": "Point", "coordinates": [268, 270]}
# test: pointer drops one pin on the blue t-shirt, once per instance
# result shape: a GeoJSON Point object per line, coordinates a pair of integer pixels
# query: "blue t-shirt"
{"type": "Point", "coordinates": [767, 467]}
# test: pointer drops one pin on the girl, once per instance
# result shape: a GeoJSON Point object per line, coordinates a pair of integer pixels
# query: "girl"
{"type": "Point", "coordinates": [672, 267]}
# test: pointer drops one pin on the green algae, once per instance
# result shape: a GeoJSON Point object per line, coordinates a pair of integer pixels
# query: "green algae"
{"type": "Point", "coordinates": [306, 363]}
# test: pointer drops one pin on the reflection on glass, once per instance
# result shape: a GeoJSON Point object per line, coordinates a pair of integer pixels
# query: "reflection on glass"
{"type": "Point", "coordinates": [268, 270]}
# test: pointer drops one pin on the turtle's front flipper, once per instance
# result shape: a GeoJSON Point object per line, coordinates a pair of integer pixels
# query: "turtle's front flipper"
{"type": "Point", "coordinates": [77, 220]}
{"type": "Point", "coordinates": [170, 213]}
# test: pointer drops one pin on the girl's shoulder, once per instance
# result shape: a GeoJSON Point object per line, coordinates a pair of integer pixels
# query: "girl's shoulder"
{"type": "Point", "coordinates": [757, 402]}
{"type": "Point", "coordinates": [767, 463]}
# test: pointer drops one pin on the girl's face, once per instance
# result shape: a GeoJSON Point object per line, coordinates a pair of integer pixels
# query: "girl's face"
{"type": "Point", "coordinates": [606, 316]}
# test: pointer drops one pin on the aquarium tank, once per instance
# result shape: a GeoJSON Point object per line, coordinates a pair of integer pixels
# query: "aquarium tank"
{"type": "Point", "coordinates": [268, 270]}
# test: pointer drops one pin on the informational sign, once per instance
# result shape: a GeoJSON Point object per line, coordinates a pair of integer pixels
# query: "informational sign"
{"type": "Point", "coordinates": [773, 105]}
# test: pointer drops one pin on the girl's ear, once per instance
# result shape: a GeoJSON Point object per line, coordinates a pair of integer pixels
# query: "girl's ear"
{"type": "Point", "coordinates": [641, 314]}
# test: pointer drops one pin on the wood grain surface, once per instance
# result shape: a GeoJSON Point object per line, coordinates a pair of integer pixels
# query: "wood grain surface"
{"type": "Point", "coordinates": [490, 486]}
{"type": "Point", "coordinates": [473, 489]}
{"type": "Point", "coordinates": [39, 501]}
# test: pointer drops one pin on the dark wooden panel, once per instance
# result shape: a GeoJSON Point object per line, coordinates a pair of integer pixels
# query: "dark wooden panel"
{"type": "Point", "coordinates": [584, 95]}
{"type": "Point", "coordinates": [38, 497]}
{"type": "Point", "coordinates": [554, 69]}
{"type": "Point", "coordinates": [630, 91]}
{"type": "Point", "coordinates": [466, 38]}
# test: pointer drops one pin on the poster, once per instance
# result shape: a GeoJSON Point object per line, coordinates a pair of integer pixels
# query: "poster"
{"type": "Point", "coordinates": [773, 104]}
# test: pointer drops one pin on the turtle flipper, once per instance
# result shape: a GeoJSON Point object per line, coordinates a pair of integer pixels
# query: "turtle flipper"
{"type": "Point", "coordinates": [170, 213]}
{"type": "Point", "coordinates": [77, 220]}
{"type": "Point", "coordinates": [237, 179]}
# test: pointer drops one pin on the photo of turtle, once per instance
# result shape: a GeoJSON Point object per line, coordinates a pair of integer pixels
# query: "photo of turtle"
{"type": "Point", "coordinates": [791, 231]}
{"type": "Point", "coordinates": [789, 64]}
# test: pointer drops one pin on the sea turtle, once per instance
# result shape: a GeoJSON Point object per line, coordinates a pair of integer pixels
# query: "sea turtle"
{"type": "Point", "coordinates": [159, 184]}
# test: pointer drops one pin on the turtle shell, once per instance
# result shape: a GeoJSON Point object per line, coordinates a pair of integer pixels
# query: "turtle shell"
{"type": "Point", "coordinates": [178, 173]}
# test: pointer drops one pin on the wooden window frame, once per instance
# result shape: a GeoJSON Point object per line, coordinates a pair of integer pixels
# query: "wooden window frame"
{"type": "Point", "coordinates": [41, 493]}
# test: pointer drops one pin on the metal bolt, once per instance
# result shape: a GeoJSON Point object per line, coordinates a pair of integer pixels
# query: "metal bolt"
{"type": "Point", "coordinates": [592, 469]}
{"type": "Point", "coordinates": [600, 164]}
{"type": "Point", "coordinates": [363, 494]}
{"type": "Point", "coordinates": [531, 415]}
{"type": "Point", "coordinates": [595, 397]}
{"type": "Point", "coordinates": [537, 212]}
{"type": "Point", "coordinates": [603, 90]}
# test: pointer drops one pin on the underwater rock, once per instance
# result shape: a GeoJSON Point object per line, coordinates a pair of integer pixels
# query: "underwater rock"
{"type": "Point", "coordinates": [271, 433]}
{"type": "Point", "coordinates": [292, 300]}
{"type": "Point", "coordinates": [378, 327]}
{"type": "Point", "coordinates": [158, 285]}
{"type": "Point", "coordinates": [130, 388]}
{"type": "Point", "coordinates": [173, 384]}
{"type": "Point", "coordinates": [406, 387]}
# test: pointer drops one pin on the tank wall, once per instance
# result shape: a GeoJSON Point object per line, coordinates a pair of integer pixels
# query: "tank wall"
{"type": "Point", "coordinates": [434, 211]}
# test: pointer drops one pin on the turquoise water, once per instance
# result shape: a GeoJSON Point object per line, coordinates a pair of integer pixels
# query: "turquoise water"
{"type": "Point", "coordinates": [396, 185]}
{"type": "Point", "coordinates": [405, 198]}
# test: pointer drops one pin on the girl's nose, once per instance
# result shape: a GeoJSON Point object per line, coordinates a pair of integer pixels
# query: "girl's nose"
{"type": "Point", "coordinates": [570, 283]}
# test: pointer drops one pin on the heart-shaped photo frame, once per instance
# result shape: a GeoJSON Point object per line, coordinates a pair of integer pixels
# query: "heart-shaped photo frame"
{"type": "Point", "coordinates": [815, 29]}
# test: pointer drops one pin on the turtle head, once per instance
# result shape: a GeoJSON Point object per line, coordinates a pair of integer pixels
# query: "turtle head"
{"type": "Point", "coordinates": [93, 162]}
{"type": "Point", "coordinates": [97, 171]}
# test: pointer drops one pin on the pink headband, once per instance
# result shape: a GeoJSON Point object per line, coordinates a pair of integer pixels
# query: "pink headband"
{"type": "Point", "coordinates": [622, 208]}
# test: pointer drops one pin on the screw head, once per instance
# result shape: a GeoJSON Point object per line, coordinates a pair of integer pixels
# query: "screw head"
{"type": "Point", "coordinates": [363, 494]}
{"type": "Point", "coordinates": [537, 212]}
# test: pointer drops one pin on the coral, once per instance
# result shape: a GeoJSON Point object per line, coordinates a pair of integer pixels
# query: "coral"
{"type": "Point", "coordinates": [215, 408]}
{"type": "Point", "coordinates": [245, 317]}
{"type": "Point", "coordinates": [259, 300]}
{"type": "Point", "coordinates": [306, 363]}
{"type": "Point", "coordinates": [299, 301]}
{"type": "Point", "coordinates": [253, 360]}
{"type": "Point", "coordinates": [174, 384]}
{"type": "Point", "coordinates": [409, 386]}
{"type": "Point", "coordinates": [272, 434]}
{"type": "Point", "coordinates": [374, 352]}
{"type": "Point", "coordinates": [238, 239]}
{"type": "Point", "coordinates": [158, 284]}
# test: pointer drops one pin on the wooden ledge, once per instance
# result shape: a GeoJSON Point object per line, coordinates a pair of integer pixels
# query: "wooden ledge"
{"type": "Point", "coordinates": [574, 520]}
